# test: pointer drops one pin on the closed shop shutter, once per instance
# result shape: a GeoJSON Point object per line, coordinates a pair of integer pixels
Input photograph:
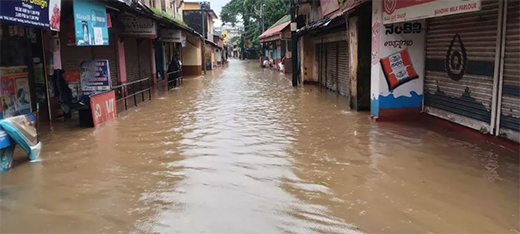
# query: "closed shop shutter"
{"type": "Point", "coordinates": [109, 53]}
{"type": "Point", "coordinates": [460, 62]}
{"type": "Point", "coordinates": [331, 65]}
{"type": "Point", "coordinates": [343, 67]}
{"type": "Point", "coordinates": [144, 58]}
{"type": "Point", "coordinates": [132, 69]}
{"type": "Point", "coordinates": [510, 103]}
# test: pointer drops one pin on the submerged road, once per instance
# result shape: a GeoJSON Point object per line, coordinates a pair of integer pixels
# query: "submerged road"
{"type": "Point", "coordinates": [241, 151]}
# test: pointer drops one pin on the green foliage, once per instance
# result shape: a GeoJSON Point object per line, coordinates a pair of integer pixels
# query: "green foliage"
{"type": "Point", "coordinates": [248, 13]}
{"type": "Point", "coordinates": [168, 16]}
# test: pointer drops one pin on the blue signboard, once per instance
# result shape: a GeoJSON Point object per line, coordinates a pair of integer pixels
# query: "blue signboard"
{"type": "Point", "coordinates": [33, 13]}
{"type": "Point", "coordinates": [90, 23]}
{"type": "Point", "coordinates": [94, 77]}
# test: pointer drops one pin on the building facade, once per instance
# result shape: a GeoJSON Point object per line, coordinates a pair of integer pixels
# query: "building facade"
{"type": "Point", "coordinates": [454, 60]}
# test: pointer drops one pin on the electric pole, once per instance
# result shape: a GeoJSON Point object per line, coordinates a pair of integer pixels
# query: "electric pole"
{"type": "Point", "coordinates": [294, 45]}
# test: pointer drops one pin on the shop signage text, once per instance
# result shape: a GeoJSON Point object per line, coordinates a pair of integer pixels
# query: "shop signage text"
{"type": "Point", "coordinates": [174, 36]}
{"type": "Point", "coordinates": [103, 107]}
{"type": "Point", "coordinates": [395, 11]}
{"type": "Point", "coordinates": [94, 77]}
{"type": "Point", "coordinates": [90, 23]}
{"type": "Point", "coordinates": [33, 13]}
{"type": "Point", "coordinates": [138, 26]}
{"type": "Point", "coordinates": [405, 28]}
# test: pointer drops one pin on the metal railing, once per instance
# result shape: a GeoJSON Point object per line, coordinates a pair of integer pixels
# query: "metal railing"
{"type": "Point", "coordinates": [173, 80]}
{"type": "Point", "coordinates": [135, 90]}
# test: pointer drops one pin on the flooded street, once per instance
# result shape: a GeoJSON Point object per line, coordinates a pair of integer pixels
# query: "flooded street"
{"type": "Point", "coordinates": [241, 151]}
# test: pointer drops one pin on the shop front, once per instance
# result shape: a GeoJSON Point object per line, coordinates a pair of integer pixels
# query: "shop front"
{"type": "Point", "coordinates": [173, 40]}
{"type": "Point", "coordinates": [26, 43]}
{"type": "Point", "coordinates": [471, 66]}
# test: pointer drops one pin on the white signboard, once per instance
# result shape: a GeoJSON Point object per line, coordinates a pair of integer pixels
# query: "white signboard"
{"type": "Point", "coordinates": [174, 36]}
{"type": "Point", "coordinates": [138, 26]}
{"type": "Point", "coordinates": [395, 11]}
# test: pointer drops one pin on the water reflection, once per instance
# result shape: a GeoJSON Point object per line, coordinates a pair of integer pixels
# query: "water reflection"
{"type": "Point", "coordinates": [240, 151]}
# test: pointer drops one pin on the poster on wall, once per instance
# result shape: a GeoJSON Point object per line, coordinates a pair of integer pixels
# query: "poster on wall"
{"type": "Point", "coordinates": [22, 95]}
{"type": "Point", "coordinates": [35, 13]}
{"type": "Point", "coordinates": [90, 23]}
{"type": "Point", "coordinates": [402, 53]}
{"type": "Point", "coordinates": [94, 77]}
{"type": "Point", "coordinates": [395, 11]}
{"type": "Point", "coordinates": [9, 108]}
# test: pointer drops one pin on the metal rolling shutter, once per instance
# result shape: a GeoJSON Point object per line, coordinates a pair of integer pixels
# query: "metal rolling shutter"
{"type": "Point", "coordinates": [144, 59]}
{"type": "Point", "coordinates": [510, 102]}
{"type": "Point", "coordinates": [132, 69]}
{"type": "Point", "coordinates": [323, 64]}
{"type": "Point", "coordinates": [464, 96]}
{"type": "Point", "coordinates": [331, 65]}
{"type": "Point", "coordinates": [343, 69]}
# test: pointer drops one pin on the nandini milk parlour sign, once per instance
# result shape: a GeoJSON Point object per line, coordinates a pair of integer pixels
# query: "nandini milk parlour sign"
{"type": "Point", "coordinates": [33, 13]}
{"type": "Point", "coordinates": [395, 11]}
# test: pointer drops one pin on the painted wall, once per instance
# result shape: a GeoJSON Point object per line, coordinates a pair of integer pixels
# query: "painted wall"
{"type": "Point", "coordinates": [396, 91]}
{"type": "Point", "coordinates": [191, 54]}
{"type": "Point", "coordinates": [191, 6]}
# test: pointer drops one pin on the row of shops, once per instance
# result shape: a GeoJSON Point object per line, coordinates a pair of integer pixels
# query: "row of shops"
{"type": "Point", "coordinates": [58, 53]}
{"type": "Point", "coordinates": [455, 60]}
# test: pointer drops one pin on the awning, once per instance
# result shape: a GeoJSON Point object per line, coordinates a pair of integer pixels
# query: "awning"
{"type": "Point", "coordinates": [274, 33]}
{"type": "Point", "coordinates": [324, 22]}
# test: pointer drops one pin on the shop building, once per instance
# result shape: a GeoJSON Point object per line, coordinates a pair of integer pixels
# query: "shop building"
{"type": "Point", "coordinates": [28, 45]}
{"type": "Point", "coordinates": [276, 44]}
{"type": "Point", "coordinates": [471, 66]}
{"type": "Point", "coordinates": [199, 16]}
{"type": "Point", "coordinates": [333, 45]}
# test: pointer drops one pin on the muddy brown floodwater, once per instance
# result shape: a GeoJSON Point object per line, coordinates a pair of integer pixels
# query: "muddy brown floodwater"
{"type": "Point", "coordinates": [241, 151]}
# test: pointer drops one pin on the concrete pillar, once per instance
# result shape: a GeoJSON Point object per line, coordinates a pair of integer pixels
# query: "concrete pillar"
{"type": "Point", "coordinates": [152, 63]}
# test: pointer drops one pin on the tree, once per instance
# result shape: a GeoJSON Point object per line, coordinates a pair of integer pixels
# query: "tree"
{"type": "Point", "coordinates": [248, 13]}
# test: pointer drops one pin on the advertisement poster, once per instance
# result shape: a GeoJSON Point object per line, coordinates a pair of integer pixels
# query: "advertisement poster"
{"type": "Point", "coordinates": [90, 23]}
{"type": "Point", "coordinates": [9, 107]}
{"type": "Point", "coordinates": [6, 85]}
{"type": "Point", "coordinates": [23, 100]}
{"type": "Point", "coordinates": [138, 26]}
{"type": "Point", "coordinates": [94, 77]}
{"type": "Point", "coordinates": [33, 13]}
{"type": "Point", "coordinates": [103, 107]}
{"type": "Point", "coordinates": [395, 11]}
{"type": "Point", "coordinates": [398, 60]}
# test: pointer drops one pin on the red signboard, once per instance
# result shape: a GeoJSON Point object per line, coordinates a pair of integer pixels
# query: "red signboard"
{"type": "Point", "coordinates": [103, 107]}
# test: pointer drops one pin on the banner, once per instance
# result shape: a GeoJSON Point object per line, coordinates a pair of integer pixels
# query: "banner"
{"type": "Point", "coordinates": [90, 23]}
{"type": "Point", "coordinates": [395, 11]}
{"type": "Point", "coordinates": [103, 107]}
{"type": "Point", "coordinates": [138, 26]}
{"type": "Point", "coordinates": [94, 77]}
{"type": "Point", "coordinates": [34, 13]}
